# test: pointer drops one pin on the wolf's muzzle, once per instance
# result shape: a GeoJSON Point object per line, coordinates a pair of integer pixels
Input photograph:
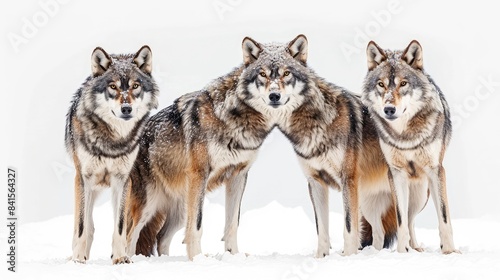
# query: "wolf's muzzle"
{"type": "Point", "coordinates": [126, 110]}
{"type": "Point", "coordinates": [389, 112]}
{"type": "Point", "coordinates": [275, 97]}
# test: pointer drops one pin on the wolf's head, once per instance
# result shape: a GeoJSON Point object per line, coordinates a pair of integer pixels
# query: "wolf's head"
{"type": "Point", "coordinates": [275, 74]}
{"type": "Point", "coordinates": [122, 86]}
{"type": "Point", "coordinates": [396, 84]}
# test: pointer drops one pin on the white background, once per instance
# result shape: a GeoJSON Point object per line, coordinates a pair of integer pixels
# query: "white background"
{"type": "Point", "coordinates": [46, 47]}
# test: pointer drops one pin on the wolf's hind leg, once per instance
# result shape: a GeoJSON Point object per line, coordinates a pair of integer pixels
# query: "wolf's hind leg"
{"type": "Point", "coordinates": [141, 213]}
{"type": "Point", "coordinates": [374, 207]}
{"type": "Point", "coordinates": [194, 208]}
{"type": "Point", "coordinates": [175, 220]}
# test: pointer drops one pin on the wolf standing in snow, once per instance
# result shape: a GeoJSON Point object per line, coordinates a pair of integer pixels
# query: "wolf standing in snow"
{"type": "Point", "coordinates": [103, 127]}
{"type": "Point", "coordinates": [412, 119]}
{"type": "Point", "coordinates": [324, 124]}
{"type": "Point", "coordinates": [204, 140]}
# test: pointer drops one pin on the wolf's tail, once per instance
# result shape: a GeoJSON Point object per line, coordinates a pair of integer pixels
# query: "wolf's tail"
{"type": "Point", "coordinates": [137, 200]}
{"type": "Point", "coordinates": [389, 221]}
{"type": "Point", "coordinates": [147, 242]}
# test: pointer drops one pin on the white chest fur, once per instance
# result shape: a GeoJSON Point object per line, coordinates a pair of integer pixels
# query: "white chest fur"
{"type": "Point", "coordinates": [221, 156]}
{"type": "Point", "coordinates": [426, 155]}
{"type": "Point", "coordinates": [330, 162]}
{"type": "Point", "coordinates": [100, 169]}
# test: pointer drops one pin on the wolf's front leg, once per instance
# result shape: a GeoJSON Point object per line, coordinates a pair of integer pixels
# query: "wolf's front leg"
{"type": "Point", "coordinates": [419, 194]}
{"type": "Point", "coordinates": [83, 234]}
{"type": "Point", "coordinates": [119, 189]}
{"type": "Point", "coordinates": [437, 180]}
{"type": "Point", "coordinates": [400, 186]}
{"type": "Point", "coordinates": [319, 198]}
{"type": "Point", "coordinates": [234, 193]}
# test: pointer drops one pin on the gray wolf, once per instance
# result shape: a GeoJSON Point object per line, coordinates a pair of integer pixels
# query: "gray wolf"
{"type": "Point", "coordinates": [324, 125]}
{"type": "Point", "coordinates": [104, 124]}
{"type": "Point", "coordinates": [205, 139]}
{"type": "Point", "coordinates": [412, 120]}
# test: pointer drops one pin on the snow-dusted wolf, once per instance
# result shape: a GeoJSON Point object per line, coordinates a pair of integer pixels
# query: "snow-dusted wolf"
{"type": "Point", "coordinates": [204, 140]}
{"type": "Point", "coordinates": [104, 124]}
{"type": "Point", "coordinates": [324, 124]}
{"type": "Point", "coordinates": [412, 119]}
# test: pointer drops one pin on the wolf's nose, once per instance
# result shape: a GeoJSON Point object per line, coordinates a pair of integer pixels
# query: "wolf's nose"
{"type": "Point", "coordinates": [126, 109]}
{"type": "Point", "coordinates": [274, 96]}
{"type": "Point", "coordinates": [389, 110]}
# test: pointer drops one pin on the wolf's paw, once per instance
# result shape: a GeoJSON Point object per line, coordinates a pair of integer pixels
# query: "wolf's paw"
{"type": "Point", "coordinates": [233, 251]}
{"type": "Point", "coordinates": [79, 259]}
{"type": "Point", "coordinates": [449, 248]}
{"type": "Point", "coordinates": [419, 249]}
{"type": "Point", "coordinates": [193, 251]}
{"type": "Point", "coordinates": [121, 260]}
{"type": "Point", "coordinates": [403, 249]}
{"type": "Point", "coordinates": [349, 251]}
{"type": "Point", "coordinates": [447, 252]}
{"type": "Point", "coordinates": [322, 254]}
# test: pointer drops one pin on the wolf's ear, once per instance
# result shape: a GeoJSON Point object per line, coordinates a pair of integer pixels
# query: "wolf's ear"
{"type": "Point", "coordinates": [251, 50]}
{"type": "Point", "coordinates": [144, 59]}
{"type": "Point", "coordinates": [298, 48]}
{"type": "Point", "coordinates": [375, 55]}
{"type": "Point", "coordinates": [100, 61]}
{"type": "Point", "coordinates": [413, 55]}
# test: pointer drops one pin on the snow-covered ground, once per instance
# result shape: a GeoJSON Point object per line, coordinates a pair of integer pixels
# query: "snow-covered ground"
{"type": "Point", "coordinates": [279, 242]}
{"type": "Point", "coordinates": [46, 50]}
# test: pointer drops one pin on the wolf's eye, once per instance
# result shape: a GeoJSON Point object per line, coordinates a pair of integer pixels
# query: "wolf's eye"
{"type": "Point", "coordinates": [112, 86]}
{"type": "Point", "coordinates": [262, 74]}
{"type": "Point", "coordinates": [286, 73]}
{"type": "Point", "coordinates": [380, 84]}
{"type": "Point", "coordinates": [135, 86]}
{"type": "Point", "coordinates": [403, 83]}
